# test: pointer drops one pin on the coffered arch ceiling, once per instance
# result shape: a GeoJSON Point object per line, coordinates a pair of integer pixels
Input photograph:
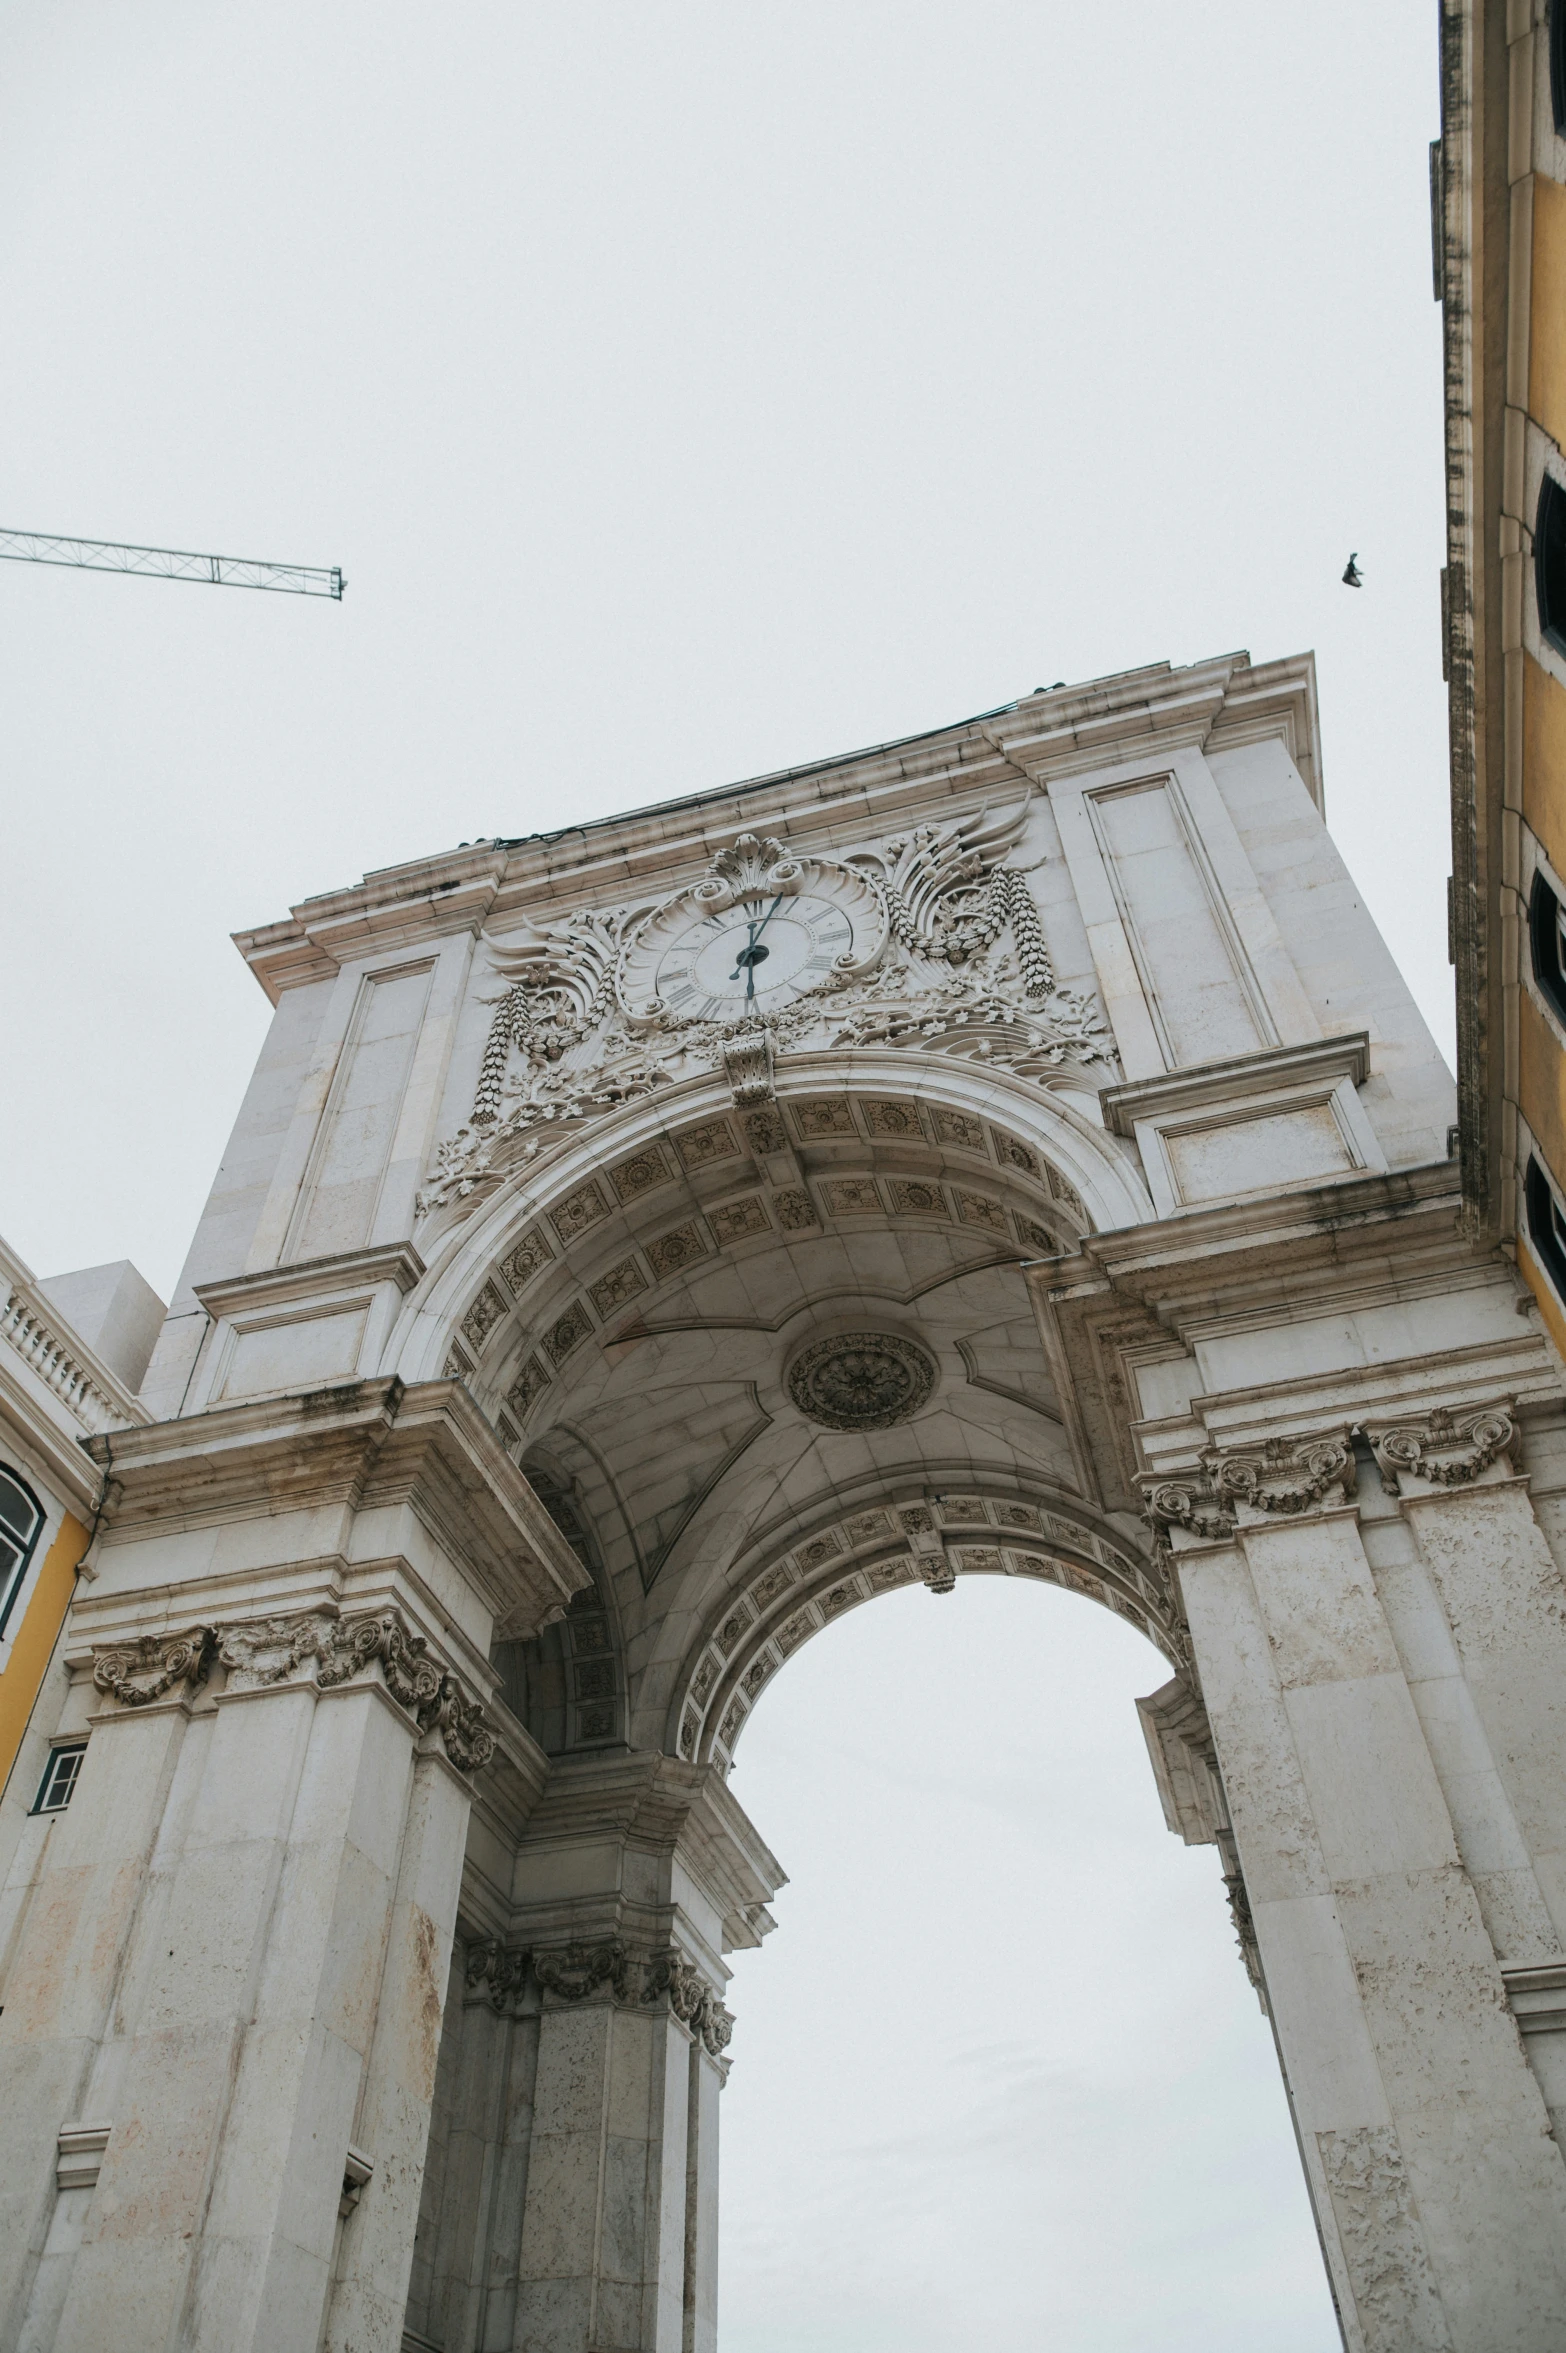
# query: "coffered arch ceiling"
{"type": "Point", "coordinates": [752, 1330]}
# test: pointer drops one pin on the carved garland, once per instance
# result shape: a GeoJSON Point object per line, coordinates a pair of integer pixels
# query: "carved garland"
{"type": "Point", "coordinates": [498, 1973]}
{"type": "Point", "coordinates": [262, 1652]}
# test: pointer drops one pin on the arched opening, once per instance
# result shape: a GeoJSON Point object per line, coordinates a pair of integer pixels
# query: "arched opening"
{"type": "Point", "coordinates": [765, 1364]}
{"type": "Point", "coordinates": [1000, 2077]}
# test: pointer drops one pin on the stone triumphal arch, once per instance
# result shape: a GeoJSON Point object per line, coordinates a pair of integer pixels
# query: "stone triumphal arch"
{"type": "Point", "coordinates": [1006, 1152]}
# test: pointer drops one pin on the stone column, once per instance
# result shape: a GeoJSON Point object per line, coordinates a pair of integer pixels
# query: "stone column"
{"type": "Point", "coordinates": [222, 2010]}
{"type": "Point", "coordinates": [1440, 2192]}
{"type": "Point", "coordinates": [596, 2232]}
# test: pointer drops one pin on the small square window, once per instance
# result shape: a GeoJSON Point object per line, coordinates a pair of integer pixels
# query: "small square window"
{"type": "Point", "coordinates": [54, 1791]}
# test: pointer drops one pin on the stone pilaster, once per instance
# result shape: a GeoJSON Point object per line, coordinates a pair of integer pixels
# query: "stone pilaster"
{"type": "Point", "coordinates": [1445, 2223]}
{"type": "Point", "coordinates": [234, 1949]}
{"type": "Point", "coordinates": [598, 2205]}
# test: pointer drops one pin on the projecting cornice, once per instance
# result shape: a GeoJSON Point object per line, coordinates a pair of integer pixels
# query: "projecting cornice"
{"type": "Point", "coordinates": [494, 884]}
{"type": "Point", "coordinates": [362, 1445]}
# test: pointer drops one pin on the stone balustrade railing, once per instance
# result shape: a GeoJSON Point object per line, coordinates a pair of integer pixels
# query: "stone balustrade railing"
{"type": "Point", "coordinates": [31, 1330]}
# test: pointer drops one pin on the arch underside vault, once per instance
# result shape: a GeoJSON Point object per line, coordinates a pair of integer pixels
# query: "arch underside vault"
{"type": "Point", "coordinates": [663, 1343]}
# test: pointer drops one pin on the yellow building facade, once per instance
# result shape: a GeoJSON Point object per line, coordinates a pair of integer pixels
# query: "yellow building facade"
{"type": "Point", "coordinates": [71, 1353]}
{"type": "Point", "coordinates": [1498, 190]}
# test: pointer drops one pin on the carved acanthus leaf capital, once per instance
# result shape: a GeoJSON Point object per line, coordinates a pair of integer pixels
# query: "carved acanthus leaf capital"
{"type": "Point", "coordinates": [1450, 1449]}
{"type": "Point", "coordinates": [430, 1693]}
{"type": "Point", "coordinates": [149, 1666]}
{"type": "Point", "coordinates": [1281, 1478]}
{"type": "Point", "coordinates": [268, 1650]}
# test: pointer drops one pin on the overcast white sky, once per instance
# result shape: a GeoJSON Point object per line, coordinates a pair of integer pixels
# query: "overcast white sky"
{"type": "Point", "coordinates": [688, 390]}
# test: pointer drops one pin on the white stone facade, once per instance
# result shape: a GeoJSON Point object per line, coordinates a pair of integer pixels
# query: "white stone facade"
{"type": "Point", "coordinates": [1008, 1152]}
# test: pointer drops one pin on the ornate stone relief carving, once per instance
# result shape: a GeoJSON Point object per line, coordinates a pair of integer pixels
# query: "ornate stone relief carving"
{"type": "Point", "coordinates": [574, 1971]}
{"type": "Point", "coordinates": [261, 1652]}
{"type": "Point", "coordinates": [1285, 1475]}
{"type": "Point", "coordinates": [1281, 1478]}
{"type": "Point", "coordinates": [498, 1973]}
{"type": "Point", "coordinates": [1449, 1449]}
{"type": "Point", "coordinates": [152, 1665]}
{"type": "Point", "coordinates": [861, 1380]}
{"type": "Point", "coordinates": [584, 1024]}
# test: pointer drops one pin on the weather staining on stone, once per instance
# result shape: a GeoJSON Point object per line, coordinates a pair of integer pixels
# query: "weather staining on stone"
{"type": "Point", "coordinates": [861, 1381]}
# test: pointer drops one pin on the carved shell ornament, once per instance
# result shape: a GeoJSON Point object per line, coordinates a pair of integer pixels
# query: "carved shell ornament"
{"type": "Point", "coordinates": [929, 940]}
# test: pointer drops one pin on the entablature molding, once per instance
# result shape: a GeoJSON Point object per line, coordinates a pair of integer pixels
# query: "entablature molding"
{"type": "Point", "coordinates": [396, 1262]}
{"type": "Point", "coordinates": [645, 1803]}
{"type": "Point", "coordinates": [495, 883]}
{"type": "Point", "coordinates": [1244, 1075]}
{"type": "Point", "coordinates": [362, 1445]}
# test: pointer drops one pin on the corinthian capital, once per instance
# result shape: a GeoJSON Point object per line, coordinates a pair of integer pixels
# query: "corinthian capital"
{"type": "Point", "coordinates": [1450, 1449]}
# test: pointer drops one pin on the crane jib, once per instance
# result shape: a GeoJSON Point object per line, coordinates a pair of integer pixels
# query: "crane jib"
{"type": "Point", "coordinates": [169, 563]}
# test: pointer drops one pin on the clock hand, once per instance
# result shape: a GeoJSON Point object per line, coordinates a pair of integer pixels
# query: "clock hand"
{"type": "Point", "coordinates": [747, 956]}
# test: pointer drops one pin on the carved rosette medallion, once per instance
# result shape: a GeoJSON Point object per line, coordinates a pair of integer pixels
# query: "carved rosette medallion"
{"type": "Point", "coordinates": [861, 1380]}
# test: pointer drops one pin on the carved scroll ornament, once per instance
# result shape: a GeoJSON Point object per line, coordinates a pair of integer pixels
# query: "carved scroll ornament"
{"type": "Point", "coordinates": [1449, 1449]}
{"type": "Point", "coordinates": [261, 1652]}
{"type": "Point", "coordinates": [1285, 1475]}
{"type": "Point", "coordinates": [582, 1026]}
{"type": "Point", "coordinates": [574, 1971]}
{"type": "Point", "coordinates": [150, 1666]}
{"type": "Point", "coordinates": [1282, 1478]}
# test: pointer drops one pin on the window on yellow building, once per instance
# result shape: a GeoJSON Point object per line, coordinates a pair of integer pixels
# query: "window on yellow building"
{"type": "Point", "coordinates": [1558, 64]}
{"type": "Point", "coordinates": [1549, 562]}
{"type": "Point", "coordinates": [21, 1517]}
{"type": "Point", "coordinates": [1546, 1226]}
{"type": "Point", "coordinates": [1547, 936]}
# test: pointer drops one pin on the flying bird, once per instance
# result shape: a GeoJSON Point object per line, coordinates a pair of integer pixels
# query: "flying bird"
{"type": "Point", "coordinates": [1353, 577]}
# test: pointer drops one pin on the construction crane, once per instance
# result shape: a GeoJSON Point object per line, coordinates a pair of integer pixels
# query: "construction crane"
{"type": "Point", "coordinates": [170, 563]}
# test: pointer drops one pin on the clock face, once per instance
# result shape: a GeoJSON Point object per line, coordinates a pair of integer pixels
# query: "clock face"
{"type": "Point", "coordinates": [760, 952]}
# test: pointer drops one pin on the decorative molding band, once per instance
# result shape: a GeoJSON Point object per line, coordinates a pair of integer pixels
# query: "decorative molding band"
{"type": "Point", "coordinates": [79, 2157]}
{"type": "Point", "coordinates": [1449, 1449]}
{"type": "Point", "coordinates": [260, 1653]}
{"type": "Point", "coordinates": [498, 1973]}
{"type": "Point", "coordinates": [309, 1278]}
{"type": "Point", "coordinates": [1537, 1997]}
